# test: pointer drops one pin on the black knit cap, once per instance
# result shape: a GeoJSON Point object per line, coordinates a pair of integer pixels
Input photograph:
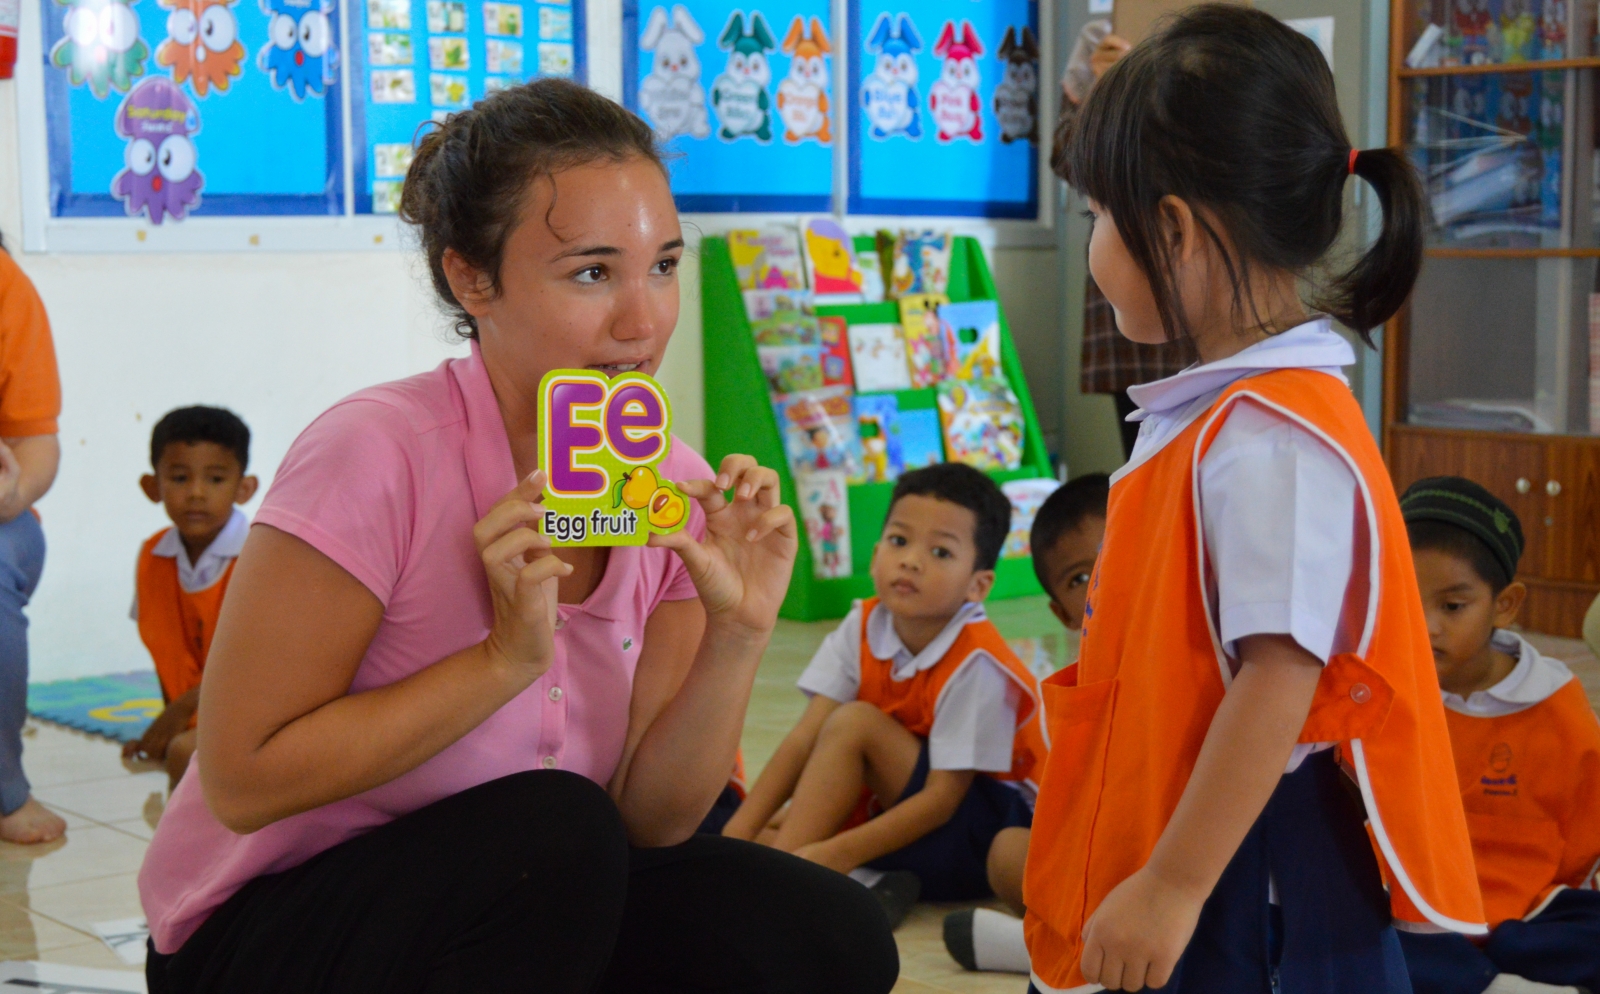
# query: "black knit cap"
{"type": "Point", "coordinates": [1464, 504]}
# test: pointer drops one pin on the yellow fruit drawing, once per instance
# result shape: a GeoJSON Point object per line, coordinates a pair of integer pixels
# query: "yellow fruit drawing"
{"type": "Point", "coordinates": [636, 487]}
{"type": "Point", "coordinates": [666, 508]}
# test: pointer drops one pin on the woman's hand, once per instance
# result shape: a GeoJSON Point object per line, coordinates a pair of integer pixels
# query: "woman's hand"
{"type": "Point", "coordinates": [522, 574]}
{"type": "Point", "coordinates": [1107, 53]}
{"type": "Point", "coordinates": [742, 567]}
{"type": "Point", "coordinates": [1134, 939]}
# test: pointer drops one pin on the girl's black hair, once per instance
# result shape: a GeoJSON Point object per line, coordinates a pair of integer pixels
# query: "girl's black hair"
{"type": "Point", "coordinates": [1234, 112]}
{"type": "Point", "coordinates": [472, 175]}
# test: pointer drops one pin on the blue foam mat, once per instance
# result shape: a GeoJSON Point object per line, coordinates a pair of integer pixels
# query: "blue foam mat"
{"type": "Point", "coordinates": [119, 706]}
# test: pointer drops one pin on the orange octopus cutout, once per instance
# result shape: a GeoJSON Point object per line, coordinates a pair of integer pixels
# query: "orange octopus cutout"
{"type": "Point", "coordinates": [202, 42]}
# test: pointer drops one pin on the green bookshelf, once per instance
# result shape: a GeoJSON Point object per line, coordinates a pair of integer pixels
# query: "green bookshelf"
{"type": "Point", "coordinates": [740, 418]}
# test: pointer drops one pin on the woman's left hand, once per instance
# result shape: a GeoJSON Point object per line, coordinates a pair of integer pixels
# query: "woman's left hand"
{"type": "Point", "coordinates": [742, 567]}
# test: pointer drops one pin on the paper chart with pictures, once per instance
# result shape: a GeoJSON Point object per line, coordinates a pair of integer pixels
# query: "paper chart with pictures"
{"type": "Point", "coordinates": [425, 59]}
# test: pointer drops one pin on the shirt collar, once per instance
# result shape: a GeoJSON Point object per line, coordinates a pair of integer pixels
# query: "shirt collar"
{"type": "Point", "coordinates": [1312, 345]}
{"type": "Point", "coordinates": [885, 642]}
{"type": "Point", "coordinates": [1534, 678]}
{"type": "Point", "coordinates": [227, 545]}
{"type": "Point", "coordinates": [487, 449]}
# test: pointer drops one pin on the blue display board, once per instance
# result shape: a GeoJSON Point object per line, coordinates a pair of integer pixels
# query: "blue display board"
{"type": "Point", "coordinates": [163, 109]}
{"type": "Point", "coordinates": [944, 108]}
{"type": "Point", "coordinates": [743, 95]}
{"type": "Point", "coordinates": [418, 60]}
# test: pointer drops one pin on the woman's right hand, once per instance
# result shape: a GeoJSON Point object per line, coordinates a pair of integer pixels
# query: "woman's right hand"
{"type": "Point", "coordinates": [522, 572]}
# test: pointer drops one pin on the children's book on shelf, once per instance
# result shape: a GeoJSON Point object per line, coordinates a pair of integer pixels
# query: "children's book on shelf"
{"type": "Point", "coordinates": [819, 431]}
{"type": "Point", "coordinates": [835, 352]}
{"type": "Point", "coordinates": [926, 356]}
{"type": "Point", "coordinates": [878, 357]}
{"type": "Point", "coordinates": [781, 317]}
{"type": "Point", "coordinates": [921, 438]}
{"type": "Point", "coordinates": [831, 260]}
{"type": "Point", "coordinates": [971, 333]}
{"type": "Point", "coordinates": [982, 423]}
{"type": "Point", "coordinates": [1025, 496]}
{"type": "Point", "coordinates": [791, 368]}
{"type": "Point", "coordinates": [767, 258]}
{"type": "Point", "coordinates": [878, 425]}
{"type": "Point", "coordinates": [872, 283]}
{"type": "Point", "coordinates": [825, 509]}
{"type": "Point", "coordinates": [921, 262]}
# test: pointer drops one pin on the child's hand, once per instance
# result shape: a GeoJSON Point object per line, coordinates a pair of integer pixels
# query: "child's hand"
{"type": "Point", "coordinates": [152, 745]}
{"type": "Point", "coordinates": [522, 573]}
{"type": "Point", "coordinates": [1134, 939]}
{"type": "Point", "coordinates": [827, 853]}
{"type": "Point", "coordinates": [742, 567]}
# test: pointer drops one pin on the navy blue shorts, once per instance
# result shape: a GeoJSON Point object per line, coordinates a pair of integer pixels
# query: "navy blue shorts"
{"type": "Point", "coordinates": [952, 860]}
{"type": "Point", "coordinates": [727, 803]}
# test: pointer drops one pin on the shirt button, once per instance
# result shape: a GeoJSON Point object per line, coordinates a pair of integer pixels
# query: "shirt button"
{"type": "Point", "coordinates": [549, 762]}
{"type": "Point", "coordinates": [1361, 693]}
{"type": "Point", "coordinates": [555, 693]}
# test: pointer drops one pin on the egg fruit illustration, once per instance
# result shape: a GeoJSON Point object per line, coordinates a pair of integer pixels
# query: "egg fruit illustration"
{"type": "Point", "coordinates": [666, 508]}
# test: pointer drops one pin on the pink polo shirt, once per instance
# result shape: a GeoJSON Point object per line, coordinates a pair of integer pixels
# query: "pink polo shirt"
{"type": "Point", "coordinates": [388, 484]}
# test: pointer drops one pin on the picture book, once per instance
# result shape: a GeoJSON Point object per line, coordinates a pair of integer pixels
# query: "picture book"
{"type": "Point", "coordinates": [767, 258]}
{"type": "Point", "coordinates": [926, 357]}
{"type": "Point", "coordinates": [781, 317]}
{"type": "Point", "coordinates": [825, 511]}
{"type": "Point", "coordinates": [835, 337]}
{"type": "Point", "coordinates": [872, 284]}
{"type": "Point", "coordinates": [971, 333]}
{"type": "Point", "coordinates": [921, 438]}
{"type": "Point", "coordinates": [982, 423]}
{"type": "Point", "coordinates": [878, 358]}
{"type": "Point", "coordinates": [819, 431]}
{"type": "Point", "coordinates": [878, 425]}
{"type": "Point", "coordinates": [602, 440]}
{"type": "Point", "coordinates": [791, 368]}
{"type": "Point", "coordinates": [762, 304]}
{"type": "Point", "coordinates": [1025, 496]}
{"type": "Point", "coordinates": [831, 260]}
{"type": "Point", "coordinates": [921, 262]}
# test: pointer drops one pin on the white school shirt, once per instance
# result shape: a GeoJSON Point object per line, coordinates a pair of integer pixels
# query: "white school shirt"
{"type": "Point", "coordinates": [1279, 508]}
{"type": "Point", "coordinates": [197, 576]}
{"type": "Point", "coordinates": [975, 720]}
{"type": "Point", "coordinates": [1532, 681]}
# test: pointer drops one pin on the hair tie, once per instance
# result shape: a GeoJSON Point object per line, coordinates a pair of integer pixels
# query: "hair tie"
{"type": "Point", "coordinates": [1355, 154]}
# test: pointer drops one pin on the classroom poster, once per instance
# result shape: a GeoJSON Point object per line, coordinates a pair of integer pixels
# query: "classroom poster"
{"type": "Point", "coordinates": [169, 109]}
{"type": "Point", "coordinates": [743, 97]}
{"type": "Point", "coordinates": [416, 61]}
{"type": "Point", "coordinates": [943, 108]}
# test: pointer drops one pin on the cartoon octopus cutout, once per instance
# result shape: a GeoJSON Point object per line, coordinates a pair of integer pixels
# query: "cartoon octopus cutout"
{"type": "Point", "coordinates": [202, 43]}
{"type": "Point", "coordinates": [102, 46]}
{"type": "Point", "coordinates": [299, 54]}
{"type": "Point", "coordinates": [159, 178]}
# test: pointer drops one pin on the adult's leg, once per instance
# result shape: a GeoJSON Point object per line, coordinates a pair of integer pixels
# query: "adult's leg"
{"type": "Point", "coordinates": [1559, 945]}
{"type": "Point", "coordinates": [514, 885]}
{"type": "Point", "coordinates": [858, 746]}
{"type": "Point", "coordinates": [21, 563]}
{"type": "Point", "coordinates": [717, 915]}
{"type": "Point", "coordinates": [1446, 963]}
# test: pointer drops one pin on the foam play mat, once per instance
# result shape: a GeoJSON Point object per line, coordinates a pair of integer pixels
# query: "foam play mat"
{"type": "Point", "coordinates": [119, 706]}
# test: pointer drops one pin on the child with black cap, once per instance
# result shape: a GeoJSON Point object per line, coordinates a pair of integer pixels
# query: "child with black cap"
{"type": "Point", "coordinates": [1527, 752]}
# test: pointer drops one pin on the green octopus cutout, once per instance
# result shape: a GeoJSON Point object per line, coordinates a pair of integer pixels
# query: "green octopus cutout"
{"type": "Point", "coordinates": [102, 46]}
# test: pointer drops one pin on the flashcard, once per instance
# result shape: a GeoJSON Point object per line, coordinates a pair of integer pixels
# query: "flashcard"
{"type": "Point", "coordinates": [447, 15]}
{"type": "Point", "coordinates": [448, 53]}
{"type": "Point", "coordinates": [601, 441]}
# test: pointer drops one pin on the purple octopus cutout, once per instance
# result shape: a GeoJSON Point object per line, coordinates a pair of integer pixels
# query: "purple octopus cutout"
{"type": "Point", "coordinates": [159, 178]}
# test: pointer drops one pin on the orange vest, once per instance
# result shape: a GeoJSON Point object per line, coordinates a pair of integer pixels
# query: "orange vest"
{"type": "Point", "coordinates": [176, 626]}
{"type": "Point", "coordinates": [1530, 782]}
{"type": "Point", "coordinates": [1127, 721]}
{"type": "Point", "coordinates": [913, 702]}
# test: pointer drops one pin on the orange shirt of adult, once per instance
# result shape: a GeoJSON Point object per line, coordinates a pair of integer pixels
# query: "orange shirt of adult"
{"type": "Point", "coordinates": [30, 388]}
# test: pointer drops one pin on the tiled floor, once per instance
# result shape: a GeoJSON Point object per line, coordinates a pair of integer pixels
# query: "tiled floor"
{"type": "Point", "coordinates": [51, 896]}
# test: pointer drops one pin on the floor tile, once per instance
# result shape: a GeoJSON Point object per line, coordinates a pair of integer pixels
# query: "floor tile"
{"type": "Point", "coordinates": [82, 903]}
{"type": "Point", "coordinates": [116, 798]}
{"type": "Point", "coordinates": [137, 827]}
{"type": "Point", "coordinates": [85, 854]}
{"type": "Point", "coordinates": [923, 957]}
{"type": "Point", "coordinates": [92, 953]}
{"type": "Point", "coordinates": [24, 935]}
{"type": "Point", "coordinates": [54, 755]}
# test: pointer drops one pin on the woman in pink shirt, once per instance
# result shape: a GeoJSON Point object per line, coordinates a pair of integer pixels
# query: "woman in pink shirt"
{"type": "Point", "coordinates": [435, 756]}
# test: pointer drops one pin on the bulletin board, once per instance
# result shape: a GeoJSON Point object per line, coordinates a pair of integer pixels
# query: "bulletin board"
{"type": "Point", "coordinates": [944, 115]}
{"type": "Point", "coordinates": [165, 109]}
{"type": "Point", "coordinates": [418, 60]}
{"type": "Point", "coordinates": [743, 97]}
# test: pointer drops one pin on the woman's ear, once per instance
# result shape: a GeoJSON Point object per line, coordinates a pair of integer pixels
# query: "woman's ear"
{"type": "Point", "coordinates": [472, 287]}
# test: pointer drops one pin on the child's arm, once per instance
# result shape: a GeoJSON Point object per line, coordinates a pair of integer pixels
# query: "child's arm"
{"type": "Point", "coordinates": [167, 726]}
{"type": "Point", "coordinates": [1135, 937]}
{"type": "Point", "coordinates": [896, 828]}
{"type": "Point", "coordinates": [781, 773]}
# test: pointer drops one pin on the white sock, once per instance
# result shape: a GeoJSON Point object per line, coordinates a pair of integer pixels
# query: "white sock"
{"type": "Point", "coordinates": [997, 942]}
{"type": "Point", "coordinates": [1510, 983]}
{"type": "Point", "coordinates": [866, 877]}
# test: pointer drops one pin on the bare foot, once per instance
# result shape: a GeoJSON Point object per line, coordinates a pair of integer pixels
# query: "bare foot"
{"type": "Point", "coordinates": [32, 823]}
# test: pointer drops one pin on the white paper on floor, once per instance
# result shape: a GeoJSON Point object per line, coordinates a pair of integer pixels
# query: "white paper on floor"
{"type": "Point", "coordinates": [53, 978]}
{"type": "Point", "coordinates": [126, 937]}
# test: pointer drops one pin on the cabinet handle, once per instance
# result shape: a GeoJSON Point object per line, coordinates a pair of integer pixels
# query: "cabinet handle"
{"type": "Point", "coordinates": [1553, 488]}
{"type": "Point", "coordinates": [1523, 486]}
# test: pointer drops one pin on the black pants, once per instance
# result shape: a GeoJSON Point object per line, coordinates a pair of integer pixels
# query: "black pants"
{"type": "Point", "coordinates": [527, 883]}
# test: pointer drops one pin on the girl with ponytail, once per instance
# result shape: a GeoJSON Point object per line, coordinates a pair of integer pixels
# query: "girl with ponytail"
{"type": "Point", "coordinates": [1251, 745]}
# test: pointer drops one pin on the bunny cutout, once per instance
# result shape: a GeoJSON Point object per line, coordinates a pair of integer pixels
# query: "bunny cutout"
{"type": "Point", "coordinates": [889, 93]}
{"type": "Point", "coordinates": [671, 95]}
{"type": "Point", "coordinates": [1016, 99]}
{"type": "Point", "coordinates": [740, 93]}
{"type": "Point", "coordinates": [953, 99]}
{"type": "Point", "coordinates": [803, 95]}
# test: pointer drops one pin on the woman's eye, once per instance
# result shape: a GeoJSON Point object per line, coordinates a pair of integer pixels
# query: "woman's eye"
{"type": "Point", "coordinates": [593, 274]}
{"type": "Point", "coordinates": [666, 267]}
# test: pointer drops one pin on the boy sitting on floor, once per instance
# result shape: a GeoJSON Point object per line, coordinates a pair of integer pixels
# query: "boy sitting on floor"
{"type": "Point", "coordinates": [199, 455]}
{"type": "Point", "coordinates": [918, 709]}
{"type": "Point", "coordinates": [1527, 749]}
{"type": "Point", "coordinates": [1067, 531]}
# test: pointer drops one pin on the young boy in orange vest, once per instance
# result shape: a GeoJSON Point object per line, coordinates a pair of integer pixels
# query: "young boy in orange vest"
{"type": "Point", "coordinates": [917, 706]}
{"type": "Point", "coordinates": [199, 455]}
{"type": "Point", "coordinates": [1067, 531]}
{"type": "Point", "coordinates": [1527, 751]}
